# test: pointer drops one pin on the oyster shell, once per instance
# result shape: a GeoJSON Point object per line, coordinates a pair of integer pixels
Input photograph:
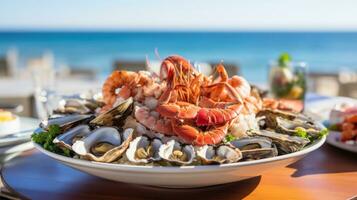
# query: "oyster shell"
{"type": "Point", "coordinates": [177, 153]}
{"type": "Point", "coordinates": [284, 143]}
{"type": "Point", "coordinates": [255, 154]}
{"type": "Point", "coordinates": [254, 148]}
{"type": "Point", "coordinates": [288, 122]}
{"type": "Point", "coordinates": [66, 122]}
{"type": "Point", "coordinates": [249, 143]}
{"type": "Point", "coordinates": [292, 127]}
{"type": "Point", "coordinates": [68, 138]}
{"type": "Point", "coordinates": [144, 150]}
{"type": "Point", "coordinates": [104, 144]}
{"type": "Point", "coordinates": [77, 106]}
{"type": "Point", "coordinates": [114, 116]}
{"type": "Point", "coordinates": [217, 155]}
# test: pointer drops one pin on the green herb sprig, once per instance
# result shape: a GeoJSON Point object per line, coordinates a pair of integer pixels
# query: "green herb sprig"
{"type": "Point", "coordinates": [45, 139]}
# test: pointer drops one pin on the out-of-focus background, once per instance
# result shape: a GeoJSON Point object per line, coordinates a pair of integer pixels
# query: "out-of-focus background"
{"type": "Point", "coordinates": [71, 46]}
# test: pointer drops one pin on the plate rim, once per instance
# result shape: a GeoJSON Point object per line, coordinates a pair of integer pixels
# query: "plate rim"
{"type": "Point", "coordinates": [176, 169]}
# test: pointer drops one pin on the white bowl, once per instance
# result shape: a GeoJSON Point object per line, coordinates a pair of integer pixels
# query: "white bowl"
{"type": "Point", "coordinates": [9, 127]}
{"type": "Point", "coordinates": [186, 176]}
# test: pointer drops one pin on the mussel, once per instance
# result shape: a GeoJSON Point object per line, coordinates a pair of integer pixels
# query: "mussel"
{"type": "Point", "coordinates": [144, 150]}
{"type": "Point", "coordinates": [67, 121]}
{"type": "Point", "coordinates": [177, 153]}
{"type": "Point", "coordinates": [114, 116]}
{"type": "Point", "coordinates": [69, 137]}
{"type": "Point", "coordinates": [104, 144]}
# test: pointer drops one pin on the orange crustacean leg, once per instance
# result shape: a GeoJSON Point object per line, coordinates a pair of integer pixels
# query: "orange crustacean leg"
{"type": "Point", "coordinates": [179, 110]}
{"type": "Point", "coordinates": [232, 93]}
{"type": "Point", "coordinates": [195, 136]}
{"type": "Point", "coordinates": [214, 116]}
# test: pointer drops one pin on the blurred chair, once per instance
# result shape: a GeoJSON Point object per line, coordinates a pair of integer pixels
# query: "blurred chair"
{"type": "Point", "coordinates": [83, 73]}
{"type": "Point", "coordinates": [324, 83]}
{"type": "Point", "coordinates": [8, 64]}
{"type": "Point", "coordinates": [4, 68]}
{"type": "Point", "coordinates": [348, 83]}
{"type": "Point", "coordinates": [232, 69]}
{"type": "Point", "coordinates": [130, 65]}
{"type": "Point", "coordinates": [348, 90]}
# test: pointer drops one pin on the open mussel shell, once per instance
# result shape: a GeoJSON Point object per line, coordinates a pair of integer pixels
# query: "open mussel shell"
{"type": "Point", "coordinates": [284, 143]}
{"type": "Point", "coordinates": [104, 144]}
{"type": "Point", "coordinates": [66, 121]}
{"type": "Point", "coordinates": [68, 138]}
{"type": "Point", "coordinates": [218, 155]}
{"type": "Point", "coordinates": [176, 153]}
{"type": "Point", "coordinates": [116, 115]}
{"type": "Point", "coordinates": [144, 150]}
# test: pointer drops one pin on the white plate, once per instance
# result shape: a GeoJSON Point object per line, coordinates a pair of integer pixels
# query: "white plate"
{"type": "Point", "coordinates": [320, 109]}
{"type": "Point", "coordinates": [16, 148]}
{"type": "Point", "coordinates": [186, 176]}
{"type": "Point", "coordinates": [26, 123]}
{"type": "Point", "coordinates": [334, 139]}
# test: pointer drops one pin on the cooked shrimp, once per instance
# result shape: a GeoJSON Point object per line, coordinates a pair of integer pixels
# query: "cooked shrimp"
{"type": "Point", "coordinates": [151, 120]}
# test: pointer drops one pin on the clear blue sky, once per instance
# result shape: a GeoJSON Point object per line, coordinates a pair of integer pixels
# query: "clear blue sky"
{"type": "Point", "coordinates": [179, 14]}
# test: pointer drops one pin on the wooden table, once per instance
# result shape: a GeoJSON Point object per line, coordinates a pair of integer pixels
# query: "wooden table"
{"type": "Point", "coordinates": [327, 173]}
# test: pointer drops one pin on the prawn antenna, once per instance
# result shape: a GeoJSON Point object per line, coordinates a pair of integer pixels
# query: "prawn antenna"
{"type": "Point", "coordinates": [156, 51]}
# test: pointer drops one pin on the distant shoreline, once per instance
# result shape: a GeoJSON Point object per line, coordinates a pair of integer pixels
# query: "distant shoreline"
{"type": "Point", "coordinates": [176, 31]}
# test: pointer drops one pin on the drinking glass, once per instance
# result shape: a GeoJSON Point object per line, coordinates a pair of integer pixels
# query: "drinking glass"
{"type": "Point", "coordinates": [44, 92]}
{"type": "Point", "coordinates": [288, 81]}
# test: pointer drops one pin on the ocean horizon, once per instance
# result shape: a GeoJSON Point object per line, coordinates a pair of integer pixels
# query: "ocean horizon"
{"type": "Point", "coordinates": [251, 51]}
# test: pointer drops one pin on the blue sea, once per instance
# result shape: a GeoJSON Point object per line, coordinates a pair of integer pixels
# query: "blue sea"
{"type": "Point", "coordinates": [252, 51]}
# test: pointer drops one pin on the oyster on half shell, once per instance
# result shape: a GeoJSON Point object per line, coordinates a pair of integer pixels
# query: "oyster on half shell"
{"type": "Point", "coordinates": [104, 144]}
{"type": "Point", "coordinates": [288, 122]}
{"type": "Point", "coordinates": [284, 143]}
{"type": "Point", "coordinates": [218, 155]}
{"type": "Point", "coordinates": [177, 153]}
{"type": "Point", "coordinates": [144, 150]}
{"type": "Point", "coordinates": [254, 148]}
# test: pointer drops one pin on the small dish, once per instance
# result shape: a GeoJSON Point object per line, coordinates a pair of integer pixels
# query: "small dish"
{"type": "Point", "coordinates": [334, 139]}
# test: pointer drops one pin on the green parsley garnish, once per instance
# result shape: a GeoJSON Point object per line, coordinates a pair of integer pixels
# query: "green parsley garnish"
{"type": "Point", "coordinates": [301, 132]}
{"type": "Point", "coordinates": [229, 138]}
{"type": "Point", "coordinates": [45, 139]}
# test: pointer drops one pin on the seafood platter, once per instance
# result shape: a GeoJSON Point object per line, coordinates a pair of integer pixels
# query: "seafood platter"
{"type": "Point", "coordinates": [178, 128]}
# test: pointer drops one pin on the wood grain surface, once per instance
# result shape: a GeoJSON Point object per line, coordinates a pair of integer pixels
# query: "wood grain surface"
{"type": "Point", "coordinates": [327, 173]}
